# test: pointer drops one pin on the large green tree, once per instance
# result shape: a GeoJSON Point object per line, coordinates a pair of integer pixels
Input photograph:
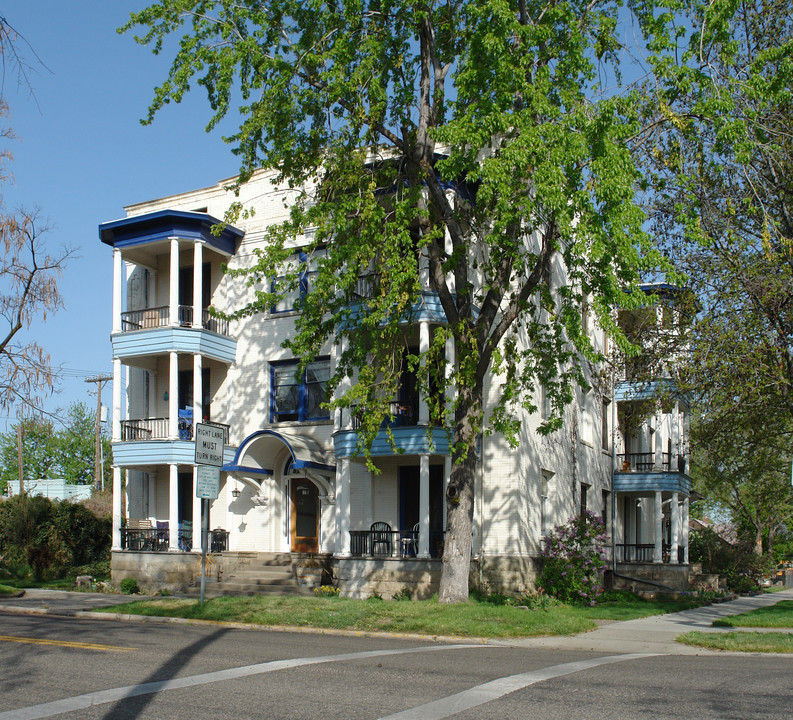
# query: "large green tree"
{"type": "Point", "coordinates": [489, 139]}
{"type": "Point", "coordinates": [723, 203]}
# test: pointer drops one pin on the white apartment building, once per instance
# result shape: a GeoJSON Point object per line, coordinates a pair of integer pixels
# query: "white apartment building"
{"type": "Point", "coordinates": [292, 485]}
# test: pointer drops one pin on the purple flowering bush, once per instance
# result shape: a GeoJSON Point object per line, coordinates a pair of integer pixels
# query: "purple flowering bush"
{"type": "Point", "coordinates": [574, 560]}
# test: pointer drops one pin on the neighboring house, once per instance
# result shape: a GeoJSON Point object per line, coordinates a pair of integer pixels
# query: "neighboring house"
{"type": "Point", "coordinates": [292, 482]}
{"type": "Point", "coordinates": [53, 488]}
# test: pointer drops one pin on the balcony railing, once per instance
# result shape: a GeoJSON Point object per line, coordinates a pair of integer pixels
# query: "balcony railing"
{"type": "Point", "coordinates": [644, 552]}
{"type": "Point", "coordinates": [144, 429]}
{"type": "Point", "coordinates": [404, 413]}
{"type": "Point", "coordinates": [157, 429]}
{"type": "Point", "coordinates": [645, 462]}
{"type": "Point", "coordinates": [158, 317]}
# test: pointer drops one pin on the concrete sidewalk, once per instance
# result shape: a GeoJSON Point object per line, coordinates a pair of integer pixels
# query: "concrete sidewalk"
{"type": "Point", "coordinates": [656, 634]}
{"type": "Point", "coordinates": [62, 602]}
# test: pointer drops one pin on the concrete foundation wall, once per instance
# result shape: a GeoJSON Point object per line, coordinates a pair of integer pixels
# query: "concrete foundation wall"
{"type": "Point", "coordinates": [156, 570]}
{"type": "Point", "coordinates": [508, 575]}
{"type": "Point", "coordinates": [360, 578]}
{"type": "Point", "coordinates": [675, 577]}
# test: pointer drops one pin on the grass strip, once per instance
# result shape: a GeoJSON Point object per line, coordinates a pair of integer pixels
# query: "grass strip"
{"type": "Point", "coordinates": [8, 590]}
{"type": "Point", "coordinates": [426, 617]}
{"type": "Point", "coordinates": [764, 642]}
{"type": "Point", "coordinates": [774, 616]}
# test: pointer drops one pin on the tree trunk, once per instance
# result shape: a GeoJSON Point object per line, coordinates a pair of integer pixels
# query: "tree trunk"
{"type": "Point", "coordinates": [458, 541]}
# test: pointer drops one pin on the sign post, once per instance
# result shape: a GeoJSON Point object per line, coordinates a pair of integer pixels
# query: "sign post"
{"type": "Point", "coordinates": [208, 459]}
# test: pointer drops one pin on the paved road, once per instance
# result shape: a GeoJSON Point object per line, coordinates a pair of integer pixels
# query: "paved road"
{"type": "Point", "coordinates": [83, 667]}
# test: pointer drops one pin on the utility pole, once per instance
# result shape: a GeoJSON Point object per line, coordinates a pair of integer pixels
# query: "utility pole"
{"type": "Point", "coordinates": [20, 462]}
{"type": "Point", "coordinates": [98, 475]}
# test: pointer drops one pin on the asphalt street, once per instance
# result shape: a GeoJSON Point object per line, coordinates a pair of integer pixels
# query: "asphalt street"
{"type": "Point", "coordinates": [57, 660]}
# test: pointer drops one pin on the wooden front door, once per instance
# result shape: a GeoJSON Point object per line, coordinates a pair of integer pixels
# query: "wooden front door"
{"type": "Point", "coordinates": [305, 516]}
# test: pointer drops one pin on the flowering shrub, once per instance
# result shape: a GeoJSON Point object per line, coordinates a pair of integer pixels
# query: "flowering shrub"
{"type": "Point", "coordinates": [574, 560]}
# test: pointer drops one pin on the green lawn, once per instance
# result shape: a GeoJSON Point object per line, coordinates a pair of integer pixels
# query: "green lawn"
{"type": "Point", "coordinates": [7, 590]}
{"type": "Point", "coordinates": [775, 616]}
{"type": "Point", "coordinates": [767, 642]}
{"type": "Point", "coordinates": [474, 619]}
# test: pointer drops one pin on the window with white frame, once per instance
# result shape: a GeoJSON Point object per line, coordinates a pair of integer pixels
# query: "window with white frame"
{"type": "Point", "coordinates": [298, 396]}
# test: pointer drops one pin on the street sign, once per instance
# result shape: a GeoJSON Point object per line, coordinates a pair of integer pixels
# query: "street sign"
{"type": "Point", "coordinates": [207, 482]}
{"type": "Point", "coordinates": [209, 444]}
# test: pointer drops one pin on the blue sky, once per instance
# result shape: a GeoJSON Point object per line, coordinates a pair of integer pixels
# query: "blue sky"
{"type": "Point", "coordinates": [81, 154]}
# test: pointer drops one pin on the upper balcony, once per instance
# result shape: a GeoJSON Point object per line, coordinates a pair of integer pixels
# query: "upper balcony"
{"type": "Point", "coordinates": [167, 265]}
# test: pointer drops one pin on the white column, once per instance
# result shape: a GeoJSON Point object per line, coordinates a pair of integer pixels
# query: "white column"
{"type": "Point", "coordinates": [449, 247]}
{"type": "Point", "coordinates": [198, 390]}
{"type": "Point", "coordinates": [674, 508]}
{"type": "Point", "coordinates": [685, 531]}
{"type": "Point", "coordinates": [367, 492]}
{"type": "Point", "coordinates": [198, 285]}
{"type": "Point", "coordinates": [424, 346]}
{"type": "Point", "coordinates": [117, 390]}
{"type": "Point", "coordinates": [116, 507]}
{"type": "Point", "coordinates": [659, 529]}
{"type": "Point", "coordinates": [449, 372]}
{"type": "Point", "coordinates": [343, 508]}
{"type": "Point", "coordinates": [674, 435]}
{"type": "Point", "coordinates": [658, 460]}
{"type": "Point", "coordinates": [173, 397]}
{"type": "Point", "coordinates": [118, 288]}
{"type": "Point", "coordinates": [173, 297]}
{"type": "Point", "coordinates": [173, 507]}
{"type": "Point", "coordinates": [424, 506]}
{"type": "Point", "coordinates": [197, 527]}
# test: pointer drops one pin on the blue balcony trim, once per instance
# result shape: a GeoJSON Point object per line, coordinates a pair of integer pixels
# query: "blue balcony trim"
{"type": "Point", "coordinates": [637, 482]}
{"type": "Point", "coordinates": [165, 224]}
{"type": "Point", "coordinates": [158, 341]}
{"type": "Point", "coordinates": [160, 452]}
{"type": "Point", "coordinates": [411, 440]}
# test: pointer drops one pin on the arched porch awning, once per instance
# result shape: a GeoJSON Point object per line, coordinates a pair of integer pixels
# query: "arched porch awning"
{"type": "Point", "coordinates": [256, 455]}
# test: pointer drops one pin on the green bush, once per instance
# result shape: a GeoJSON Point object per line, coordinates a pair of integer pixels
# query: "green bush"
{"type": "Point", "coordinates": [739, 565]}
{"type": "Point", "coordinates": [129, 586]}
{"type": "Point", "coordinates": [52, 537]}
{"type": "Point", "coordinates": [403, 594]}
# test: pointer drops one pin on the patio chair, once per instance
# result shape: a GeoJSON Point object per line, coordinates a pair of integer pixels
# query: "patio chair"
{"type": "Point", "coordinates": [186, 536]}
{"type": "Point", "coordinates": [381, 538]}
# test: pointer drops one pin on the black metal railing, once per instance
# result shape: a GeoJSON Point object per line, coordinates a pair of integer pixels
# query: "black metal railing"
{"type": "Point", "coordinates": [157, 429]}
{"type": "Point", "coordinates": [634, 552]}
{"type": "Point", "coordinates": [144, 319]}
{"type": "Point", "coordinates": [157, 317]}
{"type": "Point", "coordinates": [144, 429]}
{"type": "Point", "coordinates": [393, 543]}
{"type": "Point", "coordinates": [643, 462]}
{"type": "Point", "coordinates": [403, 413]}
{"type": "Point", "coordinates": [645, 553]}
{"type": "Point", "coordinates": [145, 540]}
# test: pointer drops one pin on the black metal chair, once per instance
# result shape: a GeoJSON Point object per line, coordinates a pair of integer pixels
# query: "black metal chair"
{"type": "Point", "coordinates": [381, 538]}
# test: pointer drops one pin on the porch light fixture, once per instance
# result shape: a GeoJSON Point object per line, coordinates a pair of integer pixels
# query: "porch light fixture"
{"type": "Point", "coordinates": [235, 492]}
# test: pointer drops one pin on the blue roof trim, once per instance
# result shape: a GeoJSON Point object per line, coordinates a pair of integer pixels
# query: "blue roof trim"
{"type": "Point", "coordinates": [164, 224]}
{"type": "Point", "coordinates": [233, 467]}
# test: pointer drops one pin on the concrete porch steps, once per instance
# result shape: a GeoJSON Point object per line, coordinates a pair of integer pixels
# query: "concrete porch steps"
{"type": "Point", "coordinates": [244, 573]}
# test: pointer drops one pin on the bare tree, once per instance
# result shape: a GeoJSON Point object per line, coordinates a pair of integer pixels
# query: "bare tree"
{"type": "Point", "coordinates": [29, 270]}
